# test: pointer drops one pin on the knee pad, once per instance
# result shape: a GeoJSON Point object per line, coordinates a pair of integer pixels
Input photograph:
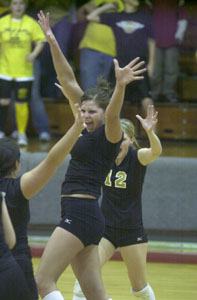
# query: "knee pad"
{"type": "Point", "coordinates": [146, 293]}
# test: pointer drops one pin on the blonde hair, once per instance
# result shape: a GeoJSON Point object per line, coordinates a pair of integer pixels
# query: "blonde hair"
{"type": "Point", "coordinates": [128, 127]}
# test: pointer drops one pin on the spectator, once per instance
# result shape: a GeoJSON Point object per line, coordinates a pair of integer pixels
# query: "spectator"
{"type": "Point", "coordinates": [17, 33]}
{"type": "Point", "coordinates": [169, 19]}
{"type": "Point", "coordinates": [134, 37]}
{"type": "Point", "coordinates": [39, 115]}
{"type": "Point", "coordinates": [97, 47]}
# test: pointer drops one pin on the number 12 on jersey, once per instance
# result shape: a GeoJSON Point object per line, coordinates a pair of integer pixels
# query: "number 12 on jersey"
{"type": "Point", "coordinates": [119, 182]}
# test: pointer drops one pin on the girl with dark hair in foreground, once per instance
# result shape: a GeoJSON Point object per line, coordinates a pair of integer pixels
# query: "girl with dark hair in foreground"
{"type": "Point", "coordinates": [19, 189]}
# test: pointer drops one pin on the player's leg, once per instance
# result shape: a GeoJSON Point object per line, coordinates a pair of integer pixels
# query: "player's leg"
{"type": "Point", "coordinates": [134, 257]}
{"type": "Point", "coordinates": [86, 266]}
{"type": "Point", "coordinates": [106, 250]}
{"type": "Point", "coordinates": [60, 250]}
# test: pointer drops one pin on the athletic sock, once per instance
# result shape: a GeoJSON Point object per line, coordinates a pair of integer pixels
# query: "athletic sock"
{"type": "Point", "coordinates": [77, 292]}
{"type": "Point", "coordinates": [146, 293]}
{"type": "Point", "coordinates": [3, 117]}
{"type": "Point", "coordinates": [22, 115]}
{"type": "Point", "coordinates": [75, 297]}
{"type": "Point", "coordinates": [55, 295]}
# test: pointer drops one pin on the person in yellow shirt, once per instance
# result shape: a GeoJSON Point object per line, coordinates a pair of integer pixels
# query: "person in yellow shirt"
{"type": "Point", "coordinates": [97, 47]}
{"type": "Point", "coordinates": [18, 32]}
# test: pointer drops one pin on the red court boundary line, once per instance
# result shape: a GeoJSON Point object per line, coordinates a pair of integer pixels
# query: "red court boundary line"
{"type": "Point", "coordinates": [160, 257]}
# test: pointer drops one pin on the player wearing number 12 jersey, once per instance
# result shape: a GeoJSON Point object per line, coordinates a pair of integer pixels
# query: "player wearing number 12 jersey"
{"type": "Point", "coordinates": [122, 207]}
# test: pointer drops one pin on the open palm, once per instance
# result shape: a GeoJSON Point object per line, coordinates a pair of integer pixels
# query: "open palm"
{"type": "Point", "coordinates": [151, 119]}
{"type": "Point", "coordinates": [44, 23]}
{"type": "Point", "coordinates": [130, 72]}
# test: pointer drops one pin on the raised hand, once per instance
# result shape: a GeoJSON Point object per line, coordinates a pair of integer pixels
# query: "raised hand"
{"type": "Point", "coordinates": [151, 119]}
{"type": "Point", "coordinates": [79, 120]}
{"type": "Point", "coordinates": [129, 73]}
{"type": "Point", "coordinates": [45, 25]}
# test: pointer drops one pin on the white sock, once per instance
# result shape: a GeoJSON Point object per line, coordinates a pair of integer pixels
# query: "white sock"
{"type": "Point", "coordinates": [75, 297]}
{"type": "Point", "coordinates": [146, 293]}
{"type": "Point", "coordinates": [78, 294]}
{"type": "Point", "coordinates": [82, 298]}
{"type": "Point", "coordinates": [77, 291]}
{"type": "Point", "coordinates": [55, 295]}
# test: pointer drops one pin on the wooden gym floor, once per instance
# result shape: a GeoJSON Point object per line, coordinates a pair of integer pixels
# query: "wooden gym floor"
{"type": "Point", "coordinates": [169, 281]}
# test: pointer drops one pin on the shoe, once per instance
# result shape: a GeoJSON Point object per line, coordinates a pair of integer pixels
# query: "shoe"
{"type": "Point", "coordinates": [2, 134]}
{"type": "Point", "coordinates": [44, 136]}
{"type": "Point", "coordinates": [14, 134]}
{"type": "Point", "coordinates": [22, 140]}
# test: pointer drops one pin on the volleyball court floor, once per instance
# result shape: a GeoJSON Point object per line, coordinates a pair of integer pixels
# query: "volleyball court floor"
{"type": "Point", "coordinates": [171, 271]}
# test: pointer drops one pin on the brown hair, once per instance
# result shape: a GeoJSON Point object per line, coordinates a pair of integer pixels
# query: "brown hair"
{"type": "Point", "coordinates": [128, 127]}
{"type": "Point", "coordinates": [100, 94]}
{"type": "Point", "coordinates": [9, 154]}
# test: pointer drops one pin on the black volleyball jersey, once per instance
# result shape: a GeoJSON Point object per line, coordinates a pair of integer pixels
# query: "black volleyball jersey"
{"type": "Point", "coordinates": [91, 159]}
{"type": "Point", "coordinates": [18, 208]}
{"type": "Point", "coordinates": [122, 192]}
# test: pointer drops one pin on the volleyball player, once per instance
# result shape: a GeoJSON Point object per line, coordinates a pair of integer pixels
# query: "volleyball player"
{"type": "Point", "coordinates": [19, 189]}
{"type": "Point", "coordinates": [122, 206]}
{"type": "Point", "coordinates": [12, 281]}
{"type": "Point", "coordinates": [75, 240]}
